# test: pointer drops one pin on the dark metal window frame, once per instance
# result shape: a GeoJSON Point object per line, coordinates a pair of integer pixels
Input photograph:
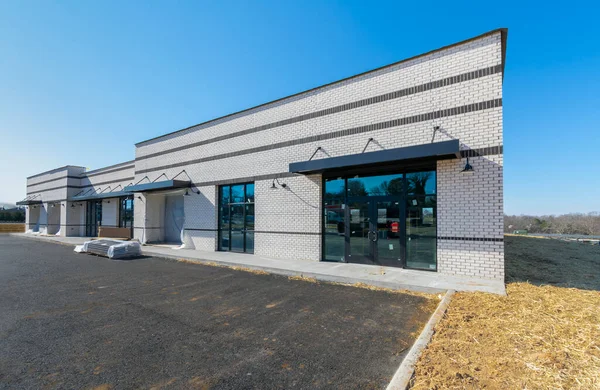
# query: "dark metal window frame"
{"type": "Point", "coordinates": [123, 199]}
{"type": "Point", "coordinates": [93, 207]}
{"type": "Point", "coordinates": [220, 230]}
{"type": "Point", "coordinates": [403, 208]}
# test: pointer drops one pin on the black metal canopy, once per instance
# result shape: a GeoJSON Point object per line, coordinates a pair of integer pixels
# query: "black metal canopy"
{"type": "Point", "coordinates": [103, 195]}
{"type": "Point", "coordinates": [433, 151]}
{"type": "Point", "coordinates": [27, 202]}
{"type": "Point", "coordinates": [159, 185]}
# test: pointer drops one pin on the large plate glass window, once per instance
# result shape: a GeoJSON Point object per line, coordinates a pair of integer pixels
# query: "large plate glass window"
{"type": "Point", "coordinates": [236, 218]}
{"type": "Point", "coordinates": [333, 217]}
{"type": "Point", "coordinates": [421, 220]}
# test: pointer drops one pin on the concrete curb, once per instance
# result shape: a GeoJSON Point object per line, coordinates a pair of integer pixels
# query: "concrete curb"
{"type": "Point", "coordinates": [403, 375]}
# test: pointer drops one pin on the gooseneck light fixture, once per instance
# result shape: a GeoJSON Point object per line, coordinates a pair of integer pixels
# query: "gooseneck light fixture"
{"type": "Point", "coordinates": [273, 186]}
{"type": "Point", "coordinates": [468, 167]}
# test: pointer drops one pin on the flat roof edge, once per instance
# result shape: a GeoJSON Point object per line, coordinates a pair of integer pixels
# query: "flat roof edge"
{"type": "Point", "coordinates": [503, 31]}
{"type": "Point", "coordinates": [54, 170]}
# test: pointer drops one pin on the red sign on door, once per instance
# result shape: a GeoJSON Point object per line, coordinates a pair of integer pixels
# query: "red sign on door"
{"type": "Point", "coordinates": [395, 227]}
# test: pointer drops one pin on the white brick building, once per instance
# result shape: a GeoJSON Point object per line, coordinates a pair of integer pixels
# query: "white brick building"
{"type": "Point", "coordinates": [368, 169]}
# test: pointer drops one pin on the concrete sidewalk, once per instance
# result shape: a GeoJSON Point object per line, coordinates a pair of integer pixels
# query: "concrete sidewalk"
{"type": "Point", "coordinates": [388, 277]}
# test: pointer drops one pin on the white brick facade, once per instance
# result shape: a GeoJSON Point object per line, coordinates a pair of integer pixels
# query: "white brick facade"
{"type": "Point", "coordinates": [457, 88]}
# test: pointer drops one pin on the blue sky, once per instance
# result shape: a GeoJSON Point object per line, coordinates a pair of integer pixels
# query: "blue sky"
{"type": "Point", "coordinates": [82, 81]}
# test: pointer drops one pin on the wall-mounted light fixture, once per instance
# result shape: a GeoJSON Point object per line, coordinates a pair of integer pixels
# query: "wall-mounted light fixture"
{"type": "Point", "coordinates": [53, 205]}
{"type": "Point", "coordinates": [187, 193]}
{"type": "Point", "coordinates": [468, 167]}
{"type": "Point", "coordinates": [273, 186]}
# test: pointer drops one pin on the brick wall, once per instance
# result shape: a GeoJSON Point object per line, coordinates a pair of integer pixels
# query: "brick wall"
{"type": "Point", "coordinates": [461, 89]}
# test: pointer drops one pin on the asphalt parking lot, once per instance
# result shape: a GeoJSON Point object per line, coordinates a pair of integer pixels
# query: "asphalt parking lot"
{"type": "Point", "coordinates": [73, 320]}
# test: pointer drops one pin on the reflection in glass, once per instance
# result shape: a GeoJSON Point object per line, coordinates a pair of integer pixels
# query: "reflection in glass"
{"type": "Point", "coordinates": [236, 218]}
{"type": "Point", "coordinates": [237, 194]}
{"type": "Point", "coordinates": [126, 212]}
{"type": "Point", "coordinates": [360, 243]}
{"type": "Point", "coordinates": [250, 223]}
{"type": "Point", "coordinates": [421, 216]}
{"type": "Point", "coordinates": [408, 216]}
{"type": "Point", "coordinates": [334, 188]}
{"type": "Point", "coordinates": [421, 183]}
{"type": "Point", "coordinates": [334, 231]}
{"type": "Point", "coordinates": [376, 185]}
{"type": "Point", "coordinates": [388, 232]}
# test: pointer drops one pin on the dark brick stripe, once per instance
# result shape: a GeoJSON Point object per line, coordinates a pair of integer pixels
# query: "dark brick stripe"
{"type": "Point", "coordinates": [94, 173]}
{"type": "Point", "coordinates": [84, 186]}
{"type": "Point", "coordinates": [119, 181]}
{"type": "Point", "coordinates": [253, 231]}
{"type": "Point", "coordinates": [341, 108]}
{"type": "Point", "coordinates": [52, 171]}
{"type": "Point", "coordinates": [85, 175]}
{"type": "Point", "coordinates": [48, 181]}
{"type": "Point", "coordinates": [52, 188]}
{"type": "Point", "coordinates": [489, 151]}
{"type": "Point", "coordinates": [342, 133]}
{"type": "Point", "coordinates": [248, 179]}
{"type": "Point", "coordinates": [472, 239]}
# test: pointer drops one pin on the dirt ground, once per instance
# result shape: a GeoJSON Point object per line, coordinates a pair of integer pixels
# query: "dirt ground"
{"type": "Point", "coordinates": [545, 334]}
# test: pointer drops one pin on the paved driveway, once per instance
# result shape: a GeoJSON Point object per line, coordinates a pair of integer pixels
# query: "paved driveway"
{"type": "Point", "coordinates": [78, 321]}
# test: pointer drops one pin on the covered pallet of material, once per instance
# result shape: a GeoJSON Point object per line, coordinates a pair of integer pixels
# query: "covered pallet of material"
{"type": "Point", "coordinates": [113, 249]}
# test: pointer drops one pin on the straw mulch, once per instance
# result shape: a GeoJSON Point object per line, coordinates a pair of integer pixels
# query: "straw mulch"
{"type": "Point", "coordinates": [535, 338]}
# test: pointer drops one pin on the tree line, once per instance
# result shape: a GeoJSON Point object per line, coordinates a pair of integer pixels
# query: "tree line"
{"type": "Point", "coordinates": [12, 215]}
{"type": "Point", "coordinates": [575, 223]}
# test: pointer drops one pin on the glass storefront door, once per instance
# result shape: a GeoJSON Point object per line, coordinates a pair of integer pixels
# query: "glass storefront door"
{"type": "Point", "coordinates": [387, 220]}
{"type": "Point", "coordinates": [93, 218]}
{"type": "Point", "coordinates": [374, 230]}
{"type": "Point", "coordinates": [236, 218]}
{"type": "Point", "coordinates": [361, 228]}
{"type": "Point", "coordinates": [388, 232]}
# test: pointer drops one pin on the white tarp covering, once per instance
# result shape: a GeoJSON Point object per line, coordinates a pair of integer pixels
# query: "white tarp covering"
{"type": "Point", "coordinates": [113, 249]}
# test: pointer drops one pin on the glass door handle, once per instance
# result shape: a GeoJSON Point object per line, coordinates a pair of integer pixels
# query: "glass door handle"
{"type": "Point", "coordinates": [375, 235]}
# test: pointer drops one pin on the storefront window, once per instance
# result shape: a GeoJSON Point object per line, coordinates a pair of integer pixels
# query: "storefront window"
{"type": "Point", "coordinates": [236, 218]}
{"type": "Point", "coordinates": [126, 212]}
{"type": "Point", "coordinates": [386, 219]}
{"type": "Point", "coordinates": [334, 227]}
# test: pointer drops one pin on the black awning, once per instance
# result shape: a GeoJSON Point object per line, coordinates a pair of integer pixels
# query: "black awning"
{"type": "Point", "coordinates": [28, 202]}
{"type": "Point", "coordinates": [433, 151]}
{"type": "Point", "coordinates": [104, 195]}
{"type": "Point", "coordinates": [159, 185]}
